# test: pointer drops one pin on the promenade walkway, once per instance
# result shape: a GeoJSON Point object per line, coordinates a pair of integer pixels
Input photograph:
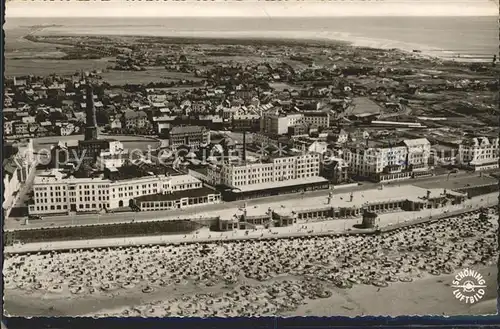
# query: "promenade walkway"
{"type": "Point", "coordinates": [386, 222]}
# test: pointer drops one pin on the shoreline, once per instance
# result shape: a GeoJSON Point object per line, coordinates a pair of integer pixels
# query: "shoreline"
{"type": "Point", "coordinates": [343, 302]}
{"type": "Point", "coordinates": [307, 37]}
{"type": "Point", "coordinates": [233, 280]}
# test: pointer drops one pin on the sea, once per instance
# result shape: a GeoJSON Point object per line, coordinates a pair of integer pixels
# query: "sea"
{"type": "Point", "coordinates": [469, 38]}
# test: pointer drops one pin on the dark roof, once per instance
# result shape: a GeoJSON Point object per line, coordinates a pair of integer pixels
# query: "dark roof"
{"type": "Point", "coordinates": [315, 114]}
{"type": "Point", "coordinates": [195, 193]}
{"type": "Point", "coordinates": [131, 114]}
{"type": "Point", "coordinates": [133, 171]}
{"type": "Point", "coordinates": [9, 166]}
{"type": "Point", "coordinates": [186, 129]}
{"type": "Point", "coordinates": [97, 141]}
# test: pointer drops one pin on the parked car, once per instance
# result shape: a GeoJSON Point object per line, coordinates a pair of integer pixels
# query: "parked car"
{"type": "Point", "coordinates": [35, 217]}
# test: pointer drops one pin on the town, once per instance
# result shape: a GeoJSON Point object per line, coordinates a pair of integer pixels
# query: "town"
{"type": "Point", "coordinates": [181, 141]}
{"type": "Point", "coordinates": [307, 123]}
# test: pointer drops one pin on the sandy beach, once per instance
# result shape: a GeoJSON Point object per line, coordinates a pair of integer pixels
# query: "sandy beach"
{"type": "Point", "coordinates": [411, 267]}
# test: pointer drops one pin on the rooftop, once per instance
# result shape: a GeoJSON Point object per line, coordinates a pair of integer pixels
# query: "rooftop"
{"type": "Point", "coordinates": [416, 142]}
{"type": "Point", "coordinates": [286, 183]}
{"type": "Point", "coordinates": [361, 198]}
{"type": "Point", "coordinates": [184, 179]}
{"type": "Point", "coordinates": [187, 129]}
{"type": "Point", "coordinates": [131, 114]}
{"type": "Point", "coordinates": [194, 193]}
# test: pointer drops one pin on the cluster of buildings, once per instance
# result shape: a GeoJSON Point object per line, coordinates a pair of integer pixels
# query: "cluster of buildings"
{"type": "Point", "coordinates": [56, 192]}
{"type": "Point", "coordinates": [19, 164]}
{"type": "Point", "coordinates": [79, 186]}
{"type": "Point", "coordinates": [308, 126]}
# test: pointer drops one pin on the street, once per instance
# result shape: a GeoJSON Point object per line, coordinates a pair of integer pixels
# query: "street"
{"type": "Point", "coordinates": [387, 221]}
{"type": "Point", "coordinates": [458, 180]}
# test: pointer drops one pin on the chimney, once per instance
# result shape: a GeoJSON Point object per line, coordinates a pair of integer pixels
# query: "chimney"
{"type": "Point", "coordinates": [244, 145]}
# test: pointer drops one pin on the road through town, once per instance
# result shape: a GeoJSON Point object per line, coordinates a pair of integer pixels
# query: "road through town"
{"type": "Point", "coordinates": [454, 181]}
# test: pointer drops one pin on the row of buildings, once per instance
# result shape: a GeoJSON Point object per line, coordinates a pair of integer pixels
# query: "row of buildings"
{"type": "Point", "coordinates": [19, 165]}
{"type": "Point", "coordinates": [123, 185]}
{"type": "Point", "coordinates": [81, 185]}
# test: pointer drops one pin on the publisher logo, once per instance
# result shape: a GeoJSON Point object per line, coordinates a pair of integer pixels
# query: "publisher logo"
{"type": "Point", "coordinates": [469, 286]}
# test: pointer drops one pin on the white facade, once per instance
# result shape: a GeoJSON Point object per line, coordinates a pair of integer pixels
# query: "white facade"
{"type": "Point", "coordinates": [371, 161]}
{"type": "Point", "coordinates": [479, 153]}
{"type": "Point", "coordinates": [320, 119]}
{"type": "Point", "coordinates": [279, 169]}
{"type": "Point", "coordinates": [55, 194]}
{"type": "Point", "coordinates": [17, 170]}
{"type": "Point", "coordinates": [419, 151]}
{"type": "Point", "coordinates": [275, 124]}
{"type": "Point", "coordinates": [11, 185]}
{"type": "Point", "coordinates": [114, 157]}
{"type": "Point", "coordinates": [411, 154]}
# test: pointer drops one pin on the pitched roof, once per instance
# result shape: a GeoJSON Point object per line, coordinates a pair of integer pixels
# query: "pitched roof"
{"type": "Point", "coordinates": [131, 114]}
{"type": "Point", "coordinates": [186, 129]}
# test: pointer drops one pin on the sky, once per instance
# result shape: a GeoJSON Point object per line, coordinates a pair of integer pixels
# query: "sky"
{"type": "Point", "coordinates": [252, 8]}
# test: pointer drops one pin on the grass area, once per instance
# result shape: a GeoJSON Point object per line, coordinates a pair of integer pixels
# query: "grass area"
{"type": "Point", "coordinates": [153, 74]}
{"type": "Point", "coordinates": [20, 67]}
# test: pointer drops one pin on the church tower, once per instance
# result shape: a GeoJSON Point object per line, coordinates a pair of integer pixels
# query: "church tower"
{"type": "Point", "coordinates": [91, 120]}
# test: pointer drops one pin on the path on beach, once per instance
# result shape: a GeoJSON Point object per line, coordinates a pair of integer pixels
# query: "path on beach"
{"type": "Point", "coordinates": [307, 228]}
{"type": "Point", "coordinates": [455, 181]}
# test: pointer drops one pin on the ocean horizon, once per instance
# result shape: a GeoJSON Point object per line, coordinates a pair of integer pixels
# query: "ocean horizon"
{"type": "Point", "coordinates": [471, 38]}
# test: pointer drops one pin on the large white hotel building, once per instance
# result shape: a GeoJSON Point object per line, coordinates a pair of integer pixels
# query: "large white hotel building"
{"type": "Point", "coordinates": [479, 153]}
{"type": "Point", "coordinates": [278, 169]}
{"type": "Point", "coordinates": [55, 193]}
{"type": "Point", "coordinates": [405, 159]}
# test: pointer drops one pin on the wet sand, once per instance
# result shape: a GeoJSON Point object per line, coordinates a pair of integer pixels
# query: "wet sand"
{"type": "Point", "coordinates": [409, 269]}
{"type": "Point", "coordinates": [431, 295]}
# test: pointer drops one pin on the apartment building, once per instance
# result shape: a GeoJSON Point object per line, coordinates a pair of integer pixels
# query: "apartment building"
{"type": "Point", "coordinates": [245, 122]}
{"type": "Point", "coordinates": [134, 119]}
{"type": "Point", "coordinates": [8, 128]}
{"type": "Point", "coordinates": [405, 159]}
{"type": "Point", "coordinates": [317, 118]}
{"type": "Point", "coordinates": [479, 153]}
{"type": "Point", "coordinates": [192, 136]}
{"type": "Point", "coordinates": [19, 167]}
{"type": "Point", "coordinates": [419, 152]}
{"type": "Point", "coordinates": [276, 170]}
{"type": "Point", "coordinates": [275, 124]}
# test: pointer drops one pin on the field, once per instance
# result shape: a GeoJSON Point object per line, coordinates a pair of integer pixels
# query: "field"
{"type": "Point", "coordinates": [153, 74]}
{"type": "Point", "coordinates": [24, 57]}
{"type": "Point", "coordinates": [21, 67]}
